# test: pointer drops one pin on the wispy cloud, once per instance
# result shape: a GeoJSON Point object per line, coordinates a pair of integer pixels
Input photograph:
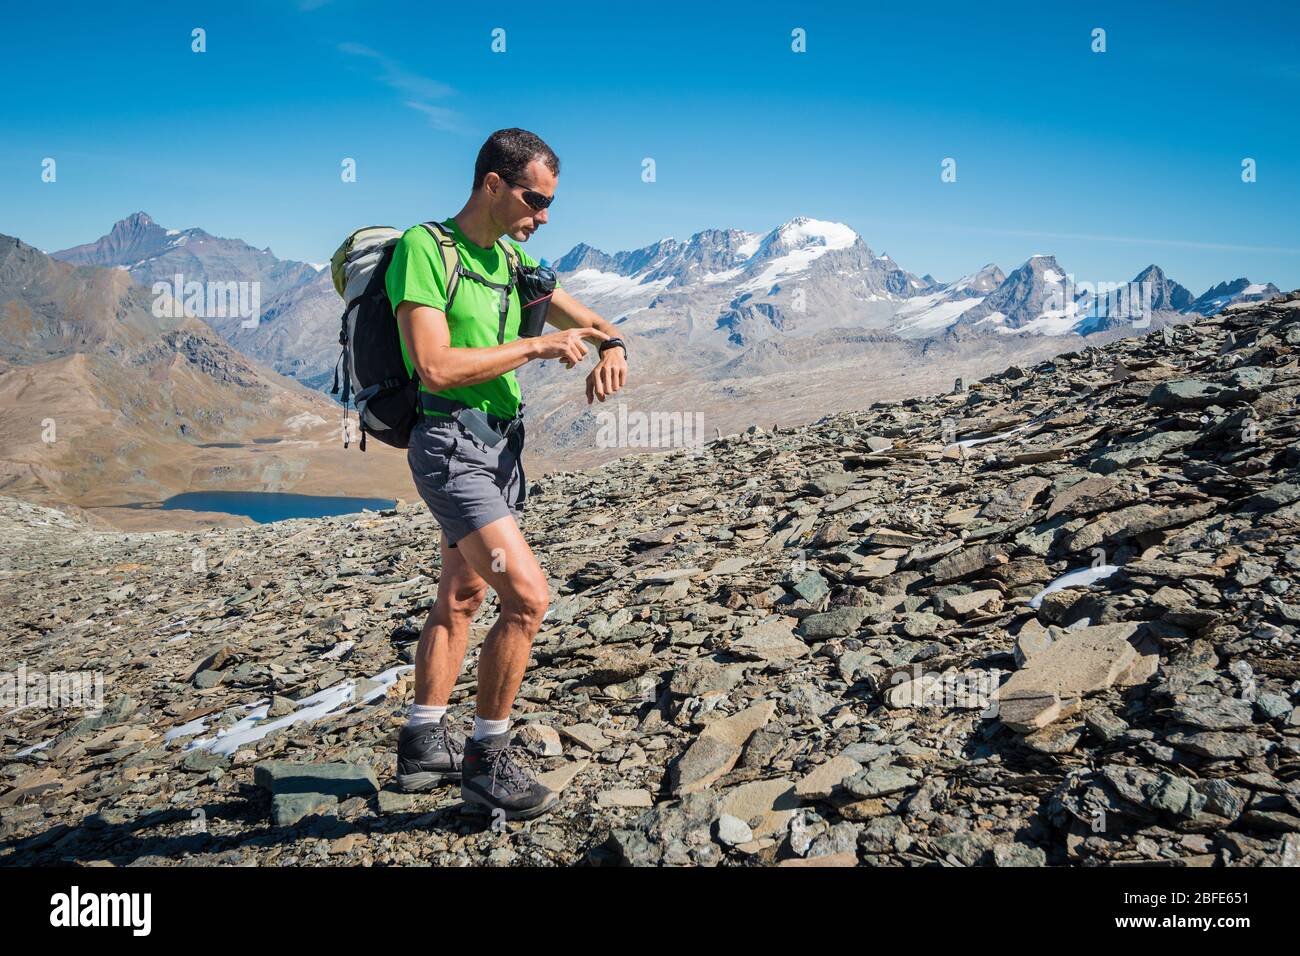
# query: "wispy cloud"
{"type": "Point", "coordinates": [418, 89]}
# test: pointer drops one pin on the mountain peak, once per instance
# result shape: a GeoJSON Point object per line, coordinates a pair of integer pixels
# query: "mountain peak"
{"type": "Point", "coordinates": [810, 230]}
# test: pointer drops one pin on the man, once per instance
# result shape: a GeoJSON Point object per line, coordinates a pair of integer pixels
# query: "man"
{"type": "Point", "coordinates": [465, 356]}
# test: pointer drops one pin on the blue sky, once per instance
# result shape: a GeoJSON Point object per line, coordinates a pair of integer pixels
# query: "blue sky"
{"type": "Point", "coordinates": [1108, 160]}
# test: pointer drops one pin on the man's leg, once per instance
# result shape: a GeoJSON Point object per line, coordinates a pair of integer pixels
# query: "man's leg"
{"type": "Point", "coordinates": [500, 556]}
{"type": "Point", "coordinates": [445, 636]}
{"type": "Point", "coordinates": [491, 777]}
{"type": "Point", "coordinates": [428, 752]}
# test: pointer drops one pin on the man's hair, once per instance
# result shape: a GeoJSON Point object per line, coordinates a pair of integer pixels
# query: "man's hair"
{"type": "Point", "coordinates": [508, 152]}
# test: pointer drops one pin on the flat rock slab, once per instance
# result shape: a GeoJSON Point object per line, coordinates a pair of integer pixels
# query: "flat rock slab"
{"type": "Point", "coordinates": [1132, 521]}
{"type": "Point", "coordinates": [1219, 745]}
{"type": "Point", "coordinates": [1078, 494]}
{"type": "Point", "coordinates": [288, 808]}
{"type": "Point", "coordinates": [624, 798]}
{"type": "Point", "coordinates": [335, 779]}
{"type": "Point", "coordinates": [556, 780]}
{"type": "Point", "coordinates": [1015, 499]}
{"type": "Point", "coordinates": [772, 641]}
{"type": "Point", "coordinates": [1049, 687]}
{"type": "Point", "coordinates": [702, 676]}
{"type": "Point", "coordinates": [1145, 448]}
{"type": "Point", "coordinates": [614, 665]}
{"type": "Point", "coordinates": [846, 858]}
{"type": "Point", "coordinates": [766, 805]}
{"type": "Point", "coordinates": [586, 735]}
{"type": "Point", "coordinates": [967, 562]}
{"type": "Point", "coordinates": [960, 605]}
{"type": "Point", "coordinates": [821, 780]}
{"type": "Point", "coordinates": [837, 622]}
{"type": "Point", "coordinates": [715, 751]}
{"type": "Point", "coordinates": [1214, 712]}
{"type": "Point", "coordinates": [879, 781]}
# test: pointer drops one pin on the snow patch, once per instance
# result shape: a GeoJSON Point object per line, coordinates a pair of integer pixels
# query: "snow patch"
{"type": "Point", "coordinates": [593, 282]}
{"type": "Point", "coordinates": [972, 442]}
{"type": "Point", "coordinates": [750, 245]}
{"type": "Point", "coordinates": [811, 239]}
{"type": "Point", "coordinates": [33, 748]}
{"type": "Point", "coordinates": [255, 726]}
{"type": "Point", "coordinates": [926, 314]}
{"type": "Point", "coordinates": [1073, 579]}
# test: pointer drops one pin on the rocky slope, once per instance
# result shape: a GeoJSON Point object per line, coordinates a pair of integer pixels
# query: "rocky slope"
{"type": "Point", "coordinates": [846, 643]}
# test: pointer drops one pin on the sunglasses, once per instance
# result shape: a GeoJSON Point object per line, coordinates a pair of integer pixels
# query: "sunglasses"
{"type": "Point", "coordinates": [534, 199]}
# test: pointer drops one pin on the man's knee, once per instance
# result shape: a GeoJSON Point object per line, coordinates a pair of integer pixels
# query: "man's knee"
{"type": "Point", "coordinates": [528, 600]}
{"type": "Point", "coordinates": [465, 601]}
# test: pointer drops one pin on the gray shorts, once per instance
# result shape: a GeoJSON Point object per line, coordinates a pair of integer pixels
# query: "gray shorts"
{"type": "Point", "coordinates": [466, 484]}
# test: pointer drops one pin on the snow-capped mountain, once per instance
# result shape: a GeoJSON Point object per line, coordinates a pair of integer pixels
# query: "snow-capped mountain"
{"type": "Point", "coordinates": [808, 275]}
{"type": "Point", "coordinates": [932, 312]}
{"type": "Point", "coordinates": [804, 274]}
{"type": "Point", "coordinates": [1225, 294]}
{"type": "Point", "coordinates": [1036, 298]}
{"type": "Point", "coordinates": [719, 291]}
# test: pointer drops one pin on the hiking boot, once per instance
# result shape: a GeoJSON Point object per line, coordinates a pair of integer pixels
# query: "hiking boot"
{"type": "Point", "coordinates": [427, 755]}
{"type": "Point", "coordinates": [493, 777]}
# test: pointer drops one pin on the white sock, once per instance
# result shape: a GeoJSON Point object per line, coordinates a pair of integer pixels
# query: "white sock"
{"type": "Point", "coordinates": [426, 713]}
{"type": "Point", "coordinates": [489, 728]}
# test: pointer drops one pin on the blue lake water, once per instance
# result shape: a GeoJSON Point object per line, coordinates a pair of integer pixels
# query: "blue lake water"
{"type": "Point", "coordinates": [264, 506]}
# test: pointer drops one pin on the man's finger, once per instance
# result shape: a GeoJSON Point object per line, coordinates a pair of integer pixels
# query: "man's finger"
{"type": "Point", "coordinates": [592, 333]}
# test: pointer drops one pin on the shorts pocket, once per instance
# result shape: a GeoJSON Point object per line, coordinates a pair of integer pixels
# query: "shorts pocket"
{"type": "Point", "coordinates": [432, 455]}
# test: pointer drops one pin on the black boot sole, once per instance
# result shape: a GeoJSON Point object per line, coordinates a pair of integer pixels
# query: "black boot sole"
{"type": "Point", "coordinates": [418, 782]}
{"type": "Point", "coordinates": [482, 805]}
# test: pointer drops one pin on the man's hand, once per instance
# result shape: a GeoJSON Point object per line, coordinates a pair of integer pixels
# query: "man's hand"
{"type": "Point", "coordinates": [609, 375]}
{"type": "Point", "coordinates": [567, 346]}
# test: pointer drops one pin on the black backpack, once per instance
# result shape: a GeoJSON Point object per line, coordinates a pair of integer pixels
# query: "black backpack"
{"type": "Point", "coordinates": [374, 375]}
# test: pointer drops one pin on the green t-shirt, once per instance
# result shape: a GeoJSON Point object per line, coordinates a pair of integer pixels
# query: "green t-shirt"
{"type": "Point", "coordinates": [417, 275]}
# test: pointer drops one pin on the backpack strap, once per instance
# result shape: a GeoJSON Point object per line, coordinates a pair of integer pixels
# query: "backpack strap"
{"type": "Point", "coordinates": [450, 258]}
{"type": "Point", "coordinates": [512, 257]}
{"type": "Point", "coordinates": [455, 269]}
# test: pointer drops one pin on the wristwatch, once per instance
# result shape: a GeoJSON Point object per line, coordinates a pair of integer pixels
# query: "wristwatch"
{"type": "Point", "coordinates": [611, 343]}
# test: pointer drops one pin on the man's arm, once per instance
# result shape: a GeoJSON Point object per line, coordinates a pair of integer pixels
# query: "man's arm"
{"type": "Point", "coordinates": [428, 342]}
{"type": "Point", "coordinates": [610, 372]}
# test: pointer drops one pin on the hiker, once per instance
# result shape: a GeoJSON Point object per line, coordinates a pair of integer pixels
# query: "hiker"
{"type": "Point", "coordinates": [465, 457]}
